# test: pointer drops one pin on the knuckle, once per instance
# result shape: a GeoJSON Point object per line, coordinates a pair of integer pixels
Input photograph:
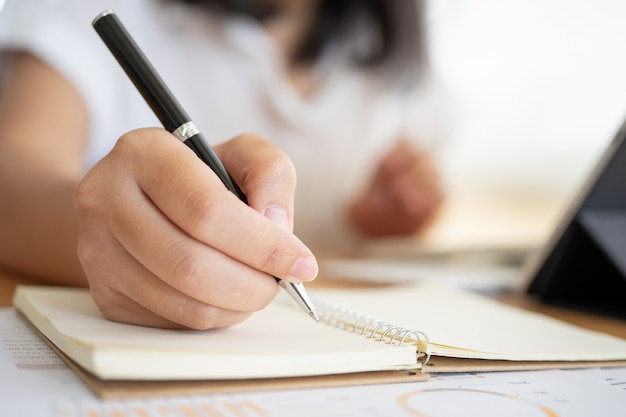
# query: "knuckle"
{"type": "Point", "coordinates": [99, 297]}
{"type": "Point", "coordinates": [281, 167]}
{"type": "Point", "coordinates": [198, 316]}
{"type": "Point", "coordinates": [130, 147]}
{"type": "Point", "coordinates": [88, 194]}
{"type": "Point", "coordinates": [85, 251]}
{"type": "Point", "coordinates": [250, 298]}
{"type": "Point", "coordinates": [200, 209]}
{"type": "Point", "coordinates": [108, 304]}
{"type": "Point", "coordinates": [81, 197]}
{"type": "Point", "coordinates": [84, 198]}
{"type": "Point", "coordinates": [273, 258]}
{"type": "Point", "coordinates": [186, 268]}
{"type": "Point", "coordinates": [273, 164]}
{"type": "Point", "coordinates": [281, 162]}
{"type": "Point", "coordinates": [131, 142]}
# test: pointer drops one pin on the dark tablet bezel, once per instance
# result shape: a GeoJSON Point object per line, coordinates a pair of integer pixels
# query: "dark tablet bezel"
{"type": "Point", "coordinates": [583, 265]}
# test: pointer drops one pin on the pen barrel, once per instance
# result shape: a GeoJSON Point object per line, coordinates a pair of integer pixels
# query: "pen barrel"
{"type": "Point", "coordinates": [155, 92]}
{"type": "Point", "coordinates": [199, 145]}
{"type": "Point", "coordinates": [140, 71]}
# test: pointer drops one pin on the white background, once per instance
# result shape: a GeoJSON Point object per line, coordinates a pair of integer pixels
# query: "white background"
{"type": "Point", "coordinates": [534, 90]}
{"type": "Point", "coordinates": [540, 87]}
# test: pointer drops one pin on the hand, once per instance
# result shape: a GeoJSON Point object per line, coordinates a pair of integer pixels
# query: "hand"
{"type": "Point", "coordinates": [403, 197]}
{"type": "Point", "coordinates": [165, 244]}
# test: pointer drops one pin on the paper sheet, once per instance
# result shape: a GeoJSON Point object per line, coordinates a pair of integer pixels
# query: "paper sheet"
{"type": "Point", "coordinates": [469, 325]}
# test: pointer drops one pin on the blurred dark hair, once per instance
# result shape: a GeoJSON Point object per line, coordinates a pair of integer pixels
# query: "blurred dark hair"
{"type": "Point", "coordinates": [383, 34]}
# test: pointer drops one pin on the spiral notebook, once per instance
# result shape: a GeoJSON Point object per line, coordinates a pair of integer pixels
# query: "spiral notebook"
{"type": "Point", "coordinates": [279, 347]}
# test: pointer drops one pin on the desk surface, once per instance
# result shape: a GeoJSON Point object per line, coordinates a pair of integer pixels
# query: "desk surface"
{"type": "Point", "coordinates": [614, 326]}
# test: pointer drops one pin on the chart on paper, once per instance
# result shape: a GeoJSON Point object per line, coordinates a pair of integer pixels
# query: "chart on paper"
{"type": "Point", "coordinates": [176, 407]}
{"type": "Point", "coordinates": [512, 398]}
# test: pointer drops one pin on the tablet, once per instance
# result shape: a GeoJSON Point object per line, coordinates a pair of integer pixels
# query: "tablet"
{"type": "Point", "coordinates": [583, 264]}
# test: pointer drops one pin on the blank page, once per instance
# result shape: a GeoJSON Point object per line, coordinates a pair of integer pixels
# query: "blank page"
{"type": "Point", "coordinates": [467, 325]}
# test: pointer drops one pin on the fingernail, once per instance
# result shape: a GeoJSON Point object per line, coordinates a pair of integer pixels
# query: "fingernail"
{"type": "Point", "coordinates": [304, 269]}
{"type": "Point", "coordinates": [278, 214]}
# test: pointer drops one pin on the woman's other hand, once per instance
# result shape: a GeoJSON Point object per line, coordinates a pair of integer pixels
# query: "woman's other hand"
{"type": "Point", "coordinates": [403, 196]}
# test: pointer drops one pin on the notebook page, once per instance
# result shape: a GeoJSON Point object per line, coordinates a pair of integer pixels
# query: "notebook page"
{"type": "Point", "coordinates": [467, 325]}
{"type": "Point", "coordinates": [277, 341]}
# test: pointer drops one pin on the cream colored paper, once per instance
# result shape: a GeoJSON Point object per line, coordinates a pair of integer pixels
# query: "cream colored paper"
{"type": "Point", "coordinates": [466, 325]}
{"type": "Point", "coordinates": [275, 342]}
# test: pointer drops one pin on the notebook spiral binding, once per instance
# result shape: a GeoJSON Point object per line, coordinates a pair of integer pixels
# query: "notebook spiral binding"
{"type": "Point", "coordinates": [367, 326]}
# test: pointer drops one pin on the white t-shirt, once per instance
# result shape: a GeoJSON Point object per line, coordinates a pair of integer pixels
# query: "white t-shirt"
{"type": "Point", "coordinates": [229, 76]}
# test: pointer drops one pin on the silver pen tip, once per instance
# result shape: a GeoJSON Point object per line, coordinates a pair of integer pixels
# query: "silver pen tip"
{"type": "Point", "coordinates": [314, 316]}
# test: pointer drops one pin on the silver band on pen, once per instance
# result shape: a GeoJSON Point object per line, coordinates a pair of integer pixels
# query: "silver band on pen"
{"type": "Point", "coordinates": [185, 131]}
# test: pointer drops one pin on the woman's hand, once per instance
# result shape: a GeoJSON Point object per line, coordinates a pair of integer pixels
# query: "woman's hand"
{"type": "Point", "coordinates": [165, 244]}
{"type": "Point", "coordinates": [403, 197]}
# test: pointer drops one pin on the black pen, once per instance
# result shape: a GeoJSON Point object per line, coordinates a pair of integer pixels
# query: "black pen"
{"type": "Point", "coordinates": [173, 117]}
